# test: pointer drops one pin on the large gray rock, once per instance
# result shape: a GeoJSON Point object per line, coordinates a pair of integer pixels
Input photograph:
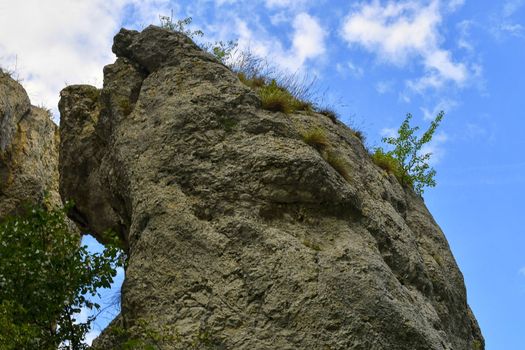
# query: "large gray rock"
{"type": "Point", "coordinates": [240, 235]}
{"type": "Point", "coordinates": [28, 150]}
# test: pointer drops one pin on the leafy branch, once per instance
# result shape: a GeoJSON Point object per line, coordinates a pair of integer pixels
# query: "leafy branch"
{"type": "Point", "coordinates": [405, 160]}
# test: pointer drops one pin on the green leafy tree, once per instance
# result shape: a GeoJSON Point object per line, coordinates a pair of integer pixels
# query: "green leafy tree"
{"type": "Point", "coordinates": [406, 160]}
{"type": "Point", "coordinates": [46, 279]}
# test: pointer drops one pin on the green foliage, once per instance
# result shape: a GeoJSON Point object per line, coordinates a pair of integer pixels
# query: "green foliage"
{"type": "Point", "coordinates": [412, 167]}
{"type": "Point", "coordinates": [46, 278]}
{"type": "Point", "coordinates": [276, 98]}
{"type": "Point", "coordinates": [221, 50]}
{"type": "Point", "coordinates": [330, 113]}
{"type": "Point", "coordinates": [338, 163]}
{"type": "Point", "coordinates": [360, 135]}
{"type": "Point", "coordinates": [316, 137]}
{"type": "Point", "coordinates": [476, 345]}
{"type": "Point", "coordinates": [180, 25]}
{"type": "Point", "coordinates": [279, 92]}
{"type": "Point", "coordinates": [386, 161]}
{"type": "Point", "coordinates": [253, 82]}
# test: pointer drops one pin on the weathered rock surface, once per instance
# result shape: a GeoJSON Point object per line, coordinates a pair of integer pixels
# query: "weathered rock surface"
{"type": "Point", "coordinates": [28, 150]}
{"type": "Point", "coordinates": [240, 235]}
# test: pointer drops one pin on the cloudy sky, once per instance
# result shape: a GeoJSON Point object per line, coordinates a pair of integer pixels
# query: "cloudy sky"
{"type": "Point", "coordinates": [374, 61]}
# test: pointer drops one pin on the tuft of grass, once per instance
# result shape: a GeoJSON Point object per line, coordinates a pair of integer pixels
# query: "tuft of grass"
{"type": "Point", "coordinates": [276, 99]}
{"type": "Point", "coordinates": [306, 106]}
{"type": "Point", "coordinates": [250, 65]}
{"type": "Point", "coordinates": [391, 165]}
{"type": "Point", "coordinates": [338, 163]}
{"type": "Point", "coordinates": [46, 110]}
{"type": "Point", "coordinates": [278, 90]}
{"type": "Point", "coordinates": [476, 345]}
{"type": "Point", "coordinates": [385, 161]}
{"type": "Point", "coordinates": [330, 113]}
{"type": "Point", "coordinates": [254, 82]}
{"type": "Point", "coordinates": [360, 135]}
{"type": "Point", "coordinates": [8, 72]}
{"type": "Point", "coordinates": [316, 137]}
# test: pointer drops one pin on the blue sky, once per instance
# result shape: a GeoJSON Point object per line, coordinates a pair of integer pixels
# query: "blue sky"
{"type": "Point", "coordinates": [375, 61]}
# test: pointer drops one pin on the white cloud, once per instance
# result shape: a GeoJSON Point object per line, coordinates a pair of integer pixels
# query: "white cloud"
{"type": "Point", "coordinates": [510, 7]}
{"type": "Point", "coordinates": [399, 32]}
{"type": "Point", "coordinates": [59, 42]}
{"type": "Point", "coordinates": [388, 132]}
{"type": "Point", "coordinates": [522, 271]}
{"type": "Point", "coordinates": [441, 62]}
{"type": "Point", "coordinates": [349, 68]}
{"type": "Point", "coordinates": [463, 29]}
{"type": "Point", "coordinates": [514, 29]}
{"type": "Point", "coordinates": [504, 23]}
{"type": "Point", "coordinates": [308, 37]}
{"type": "Point", "coordinates": [222, 2]}
{"type": "Point", "coordinates": [382, 87]}
{"type": "Point", "coordinates": [394, 31]}
{"type": "Point", "coordinates": [404, 97]}
{"type": "Point", "coordinates": [288, 4]}
{"type": "Point", "coordinates": [308, 42]}
{"type": "Point", "coordinates": [476, 131]}
{"type": "Point", "coordinates": [430, 80]}
{"type": "Point", "coordinates": [445, 105]}
{"type": "Point", "coordinates": [453, 5]}
{"type": "Point", "coordinates": [279, 18]}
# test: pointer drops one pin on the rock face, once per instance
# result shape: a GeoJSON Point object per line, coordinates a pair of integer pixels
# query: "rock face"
{"type": "Point", "coordinates": [28, 150]}
{"type": "Point", "coordinates": [241, 235]}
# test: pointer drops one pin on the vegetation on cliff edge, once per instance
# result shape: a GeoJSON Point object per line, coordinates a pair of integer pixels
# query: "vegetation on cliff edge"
{"type": "Point", "coordinates": [405, 160]}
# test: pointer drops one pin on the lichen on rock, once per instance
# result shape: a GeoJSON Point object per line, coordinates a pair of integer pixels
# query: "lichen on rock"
{"type": "Point", "coordinates": [238, 229]}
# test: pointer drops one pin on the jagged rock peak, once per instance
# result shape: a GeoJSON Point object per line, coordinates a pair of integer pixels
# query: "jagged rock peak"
{"type": "Point", "coordinates": [28, 150]}
{"type": "Point", "coordinates": [240, 234]}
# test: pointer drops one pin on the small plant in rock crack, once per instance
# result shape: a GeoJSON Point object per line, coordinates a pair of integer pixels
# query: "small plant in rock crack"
{"type": "Point", "coordinates": [221, 50]}
{"type": "Point", "coordinates": [405, 160]}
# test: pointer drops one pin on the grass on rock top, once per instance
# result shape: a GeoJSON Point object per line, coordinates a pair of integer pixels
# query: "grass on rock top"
{"type": "Point", "coordinates": [274, 97]}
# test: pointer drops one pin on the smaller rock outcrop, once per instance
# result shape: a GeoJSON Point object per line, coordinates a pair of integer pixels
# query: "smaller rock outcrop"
{"type": "Point", "coordinates": [28, 150]}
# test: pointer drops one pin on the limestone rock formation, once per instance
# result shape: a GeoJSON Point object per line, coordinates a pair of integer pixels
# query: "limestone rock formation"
{"type": "Point", "coordinates": [28, 150]}
{"type": "Point", "coordinates": [241, 235]}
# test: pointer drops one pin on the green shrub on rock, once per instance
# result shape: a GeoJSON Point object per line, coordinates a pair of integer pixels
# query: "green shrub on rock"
{"type": "Point", "coordinates": [405, 161]}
